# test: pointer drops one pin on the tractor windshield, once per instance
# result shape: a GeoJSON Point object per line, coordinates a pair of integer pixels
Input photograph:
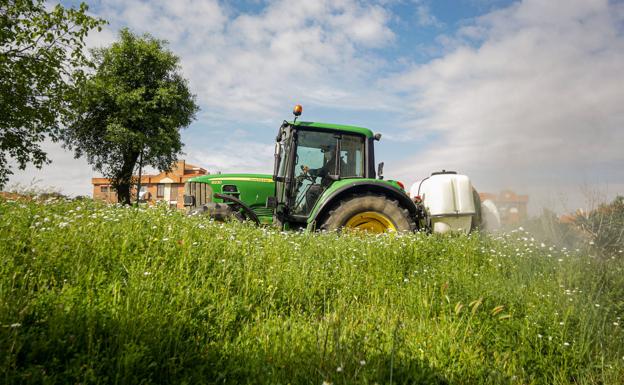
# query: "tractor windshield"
{"type": "Point", "coordinates": [321, 158]}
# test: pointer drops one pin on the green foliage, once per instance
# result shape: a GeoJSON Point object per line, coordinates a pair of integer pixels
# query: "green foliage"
{"type": "Point", "coordinates": [96, 294]}
{"type": "Point", "coordinates": [549, 228]}
{"type": "Point", "coordinates": [41, 55]}
{"type": "Point", "coordinates": [135, 102]}
{"type": "Point", "coordinates": [599, 232]}
{"type": "Point", "coordinates": [603, 227]}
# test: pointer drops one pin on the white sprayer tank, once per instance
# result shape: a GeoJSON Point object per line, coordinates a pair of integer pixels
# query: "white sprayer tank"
{"type": "Point", "coordinates": [448, 199]}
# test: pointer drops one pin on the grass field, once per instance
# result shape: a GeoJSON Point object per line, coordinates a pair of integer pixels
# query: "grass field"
{"type": "Point", "coordinates": [96, 294]}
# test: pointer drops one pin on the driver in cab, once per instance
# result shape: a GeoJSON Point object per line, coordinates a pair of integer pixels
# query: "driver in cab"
{"type": "Point", "coordinates": [307, 196]}
{"type": "Point", "coordinates": [328, 168]}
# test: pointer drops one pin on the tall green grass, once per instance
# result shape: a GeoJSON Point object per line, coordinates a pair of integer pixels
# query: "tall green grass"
{"type": "Point", "coordinates": [95, 294]}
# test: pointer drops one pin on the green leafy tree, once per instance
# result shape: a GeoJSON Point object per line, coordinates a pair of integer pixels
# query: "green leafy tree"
{"type": "Point", "coordinates": [131, 109]}
{"type": "Point", "coordinates": [603, 227]}
{"type": "Point", "coordinates": [41, 55]}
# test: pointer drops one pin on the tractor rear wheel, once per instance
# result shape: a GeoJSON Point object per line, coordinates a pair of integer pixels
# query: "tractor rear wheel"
{"type": "Point", "coordinates": [372, 213]}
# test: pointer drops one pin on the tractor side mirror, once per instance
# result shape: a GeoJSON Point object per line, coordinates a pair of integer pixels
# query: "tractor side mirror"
{"type": "Point", "coordinates": [380, 170]}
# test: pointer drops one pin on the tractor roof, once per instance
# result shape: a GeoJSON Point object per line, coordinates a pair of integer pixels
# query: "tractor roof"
{"type": "Point", "coordinates": [336, 127]}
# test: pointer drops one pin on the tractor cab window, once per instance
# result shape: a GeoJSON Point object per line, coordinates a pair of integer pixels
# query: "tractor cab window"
{"type": "Point", "coordinates": [317, 164]}
{"type": "Point", "coordinates": [351, 156]}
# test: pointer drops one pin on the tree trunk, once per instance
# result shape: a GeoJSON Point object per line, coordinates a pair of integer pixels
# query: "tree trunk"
{"type": "Point", "coordinates": [123, 193]}
{"type": "Point", "coordinates": [124, 178]}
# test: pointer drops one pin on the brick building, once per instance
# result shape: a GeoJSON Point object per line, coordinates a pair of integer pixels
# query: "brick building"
{"type": "Point", "coordinates": [511, 206]}
{"type": "Point", "coordinates": [168, 187]}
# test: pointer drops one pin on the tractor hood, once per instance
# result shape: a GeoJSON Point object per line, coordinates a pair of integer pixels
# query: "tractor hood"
{"type": "Point", "coordinates": [252, 189]}
{"type": "Point", "coordinates": [217, 179]}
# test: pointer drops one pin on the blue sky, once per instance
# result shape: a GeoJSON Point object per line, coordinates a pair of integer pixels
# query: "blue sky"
{"type": "Point", "coordinates": [516, 94]}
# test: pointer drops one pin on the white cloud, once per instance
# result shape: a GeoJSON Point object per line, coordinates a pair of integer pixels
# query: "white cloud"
{"type": "Point", "coordinates": [254, 63]}
{"type": "Point", "coordinates": [235, 156]}
{"type": "Point", "coordinates": [66, 174]}
{"type": "Point", "coordinates": [425, 18]}
{"type": "Point", "coordinates": [533, 99]}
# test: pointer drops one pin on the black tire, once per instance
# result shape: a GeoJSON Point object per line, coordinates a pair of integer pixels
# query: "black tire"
{"type": "Point", "coordinates": [358, 204]}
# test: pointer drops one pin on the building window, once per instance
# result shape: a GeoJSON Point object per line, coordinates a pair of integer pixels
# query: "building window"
{"type": "Point", "coordinates": [104, 189]}
{"type": "Point", "coordinates": [160, 190]}
{"type": "Point", "coordinates": [174, 193]}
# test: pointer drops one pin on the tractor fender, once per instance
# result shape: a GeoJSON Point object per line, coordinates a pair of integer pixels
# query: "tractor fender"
{"type": "Point", "coordinates": [347, 188]}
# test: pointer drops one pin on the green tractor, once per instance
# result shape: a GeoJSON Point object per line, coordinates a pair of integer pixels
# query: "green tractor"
{"type": "Point", "coordinates": [324, 178]}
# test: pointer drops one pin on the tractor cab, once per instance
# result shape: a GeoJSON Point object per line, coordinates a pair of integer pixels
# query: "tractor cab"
{"type": "Point", "coordinates": [310, 157]}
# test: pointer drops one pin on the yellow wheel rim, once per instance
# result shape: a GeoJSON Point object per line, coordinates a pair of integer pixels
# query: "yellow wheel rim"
{"type": "Point", "coordinates": [370, 221]}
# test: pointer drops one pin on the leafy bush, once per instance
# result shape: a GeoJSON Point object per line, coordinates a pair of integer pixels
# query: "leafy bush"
{"type": "Point", "coordinates": [598, 232]}
{"type": "Point", "coordinates": [604, 227]}
{"type": "Point", "coordinates": [549, 229]}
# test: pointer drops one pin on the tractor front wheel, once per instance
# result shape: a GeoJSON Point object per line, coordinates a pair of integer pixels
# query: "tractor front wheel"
{"type": "Point", "coordinates": [371, 213]}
